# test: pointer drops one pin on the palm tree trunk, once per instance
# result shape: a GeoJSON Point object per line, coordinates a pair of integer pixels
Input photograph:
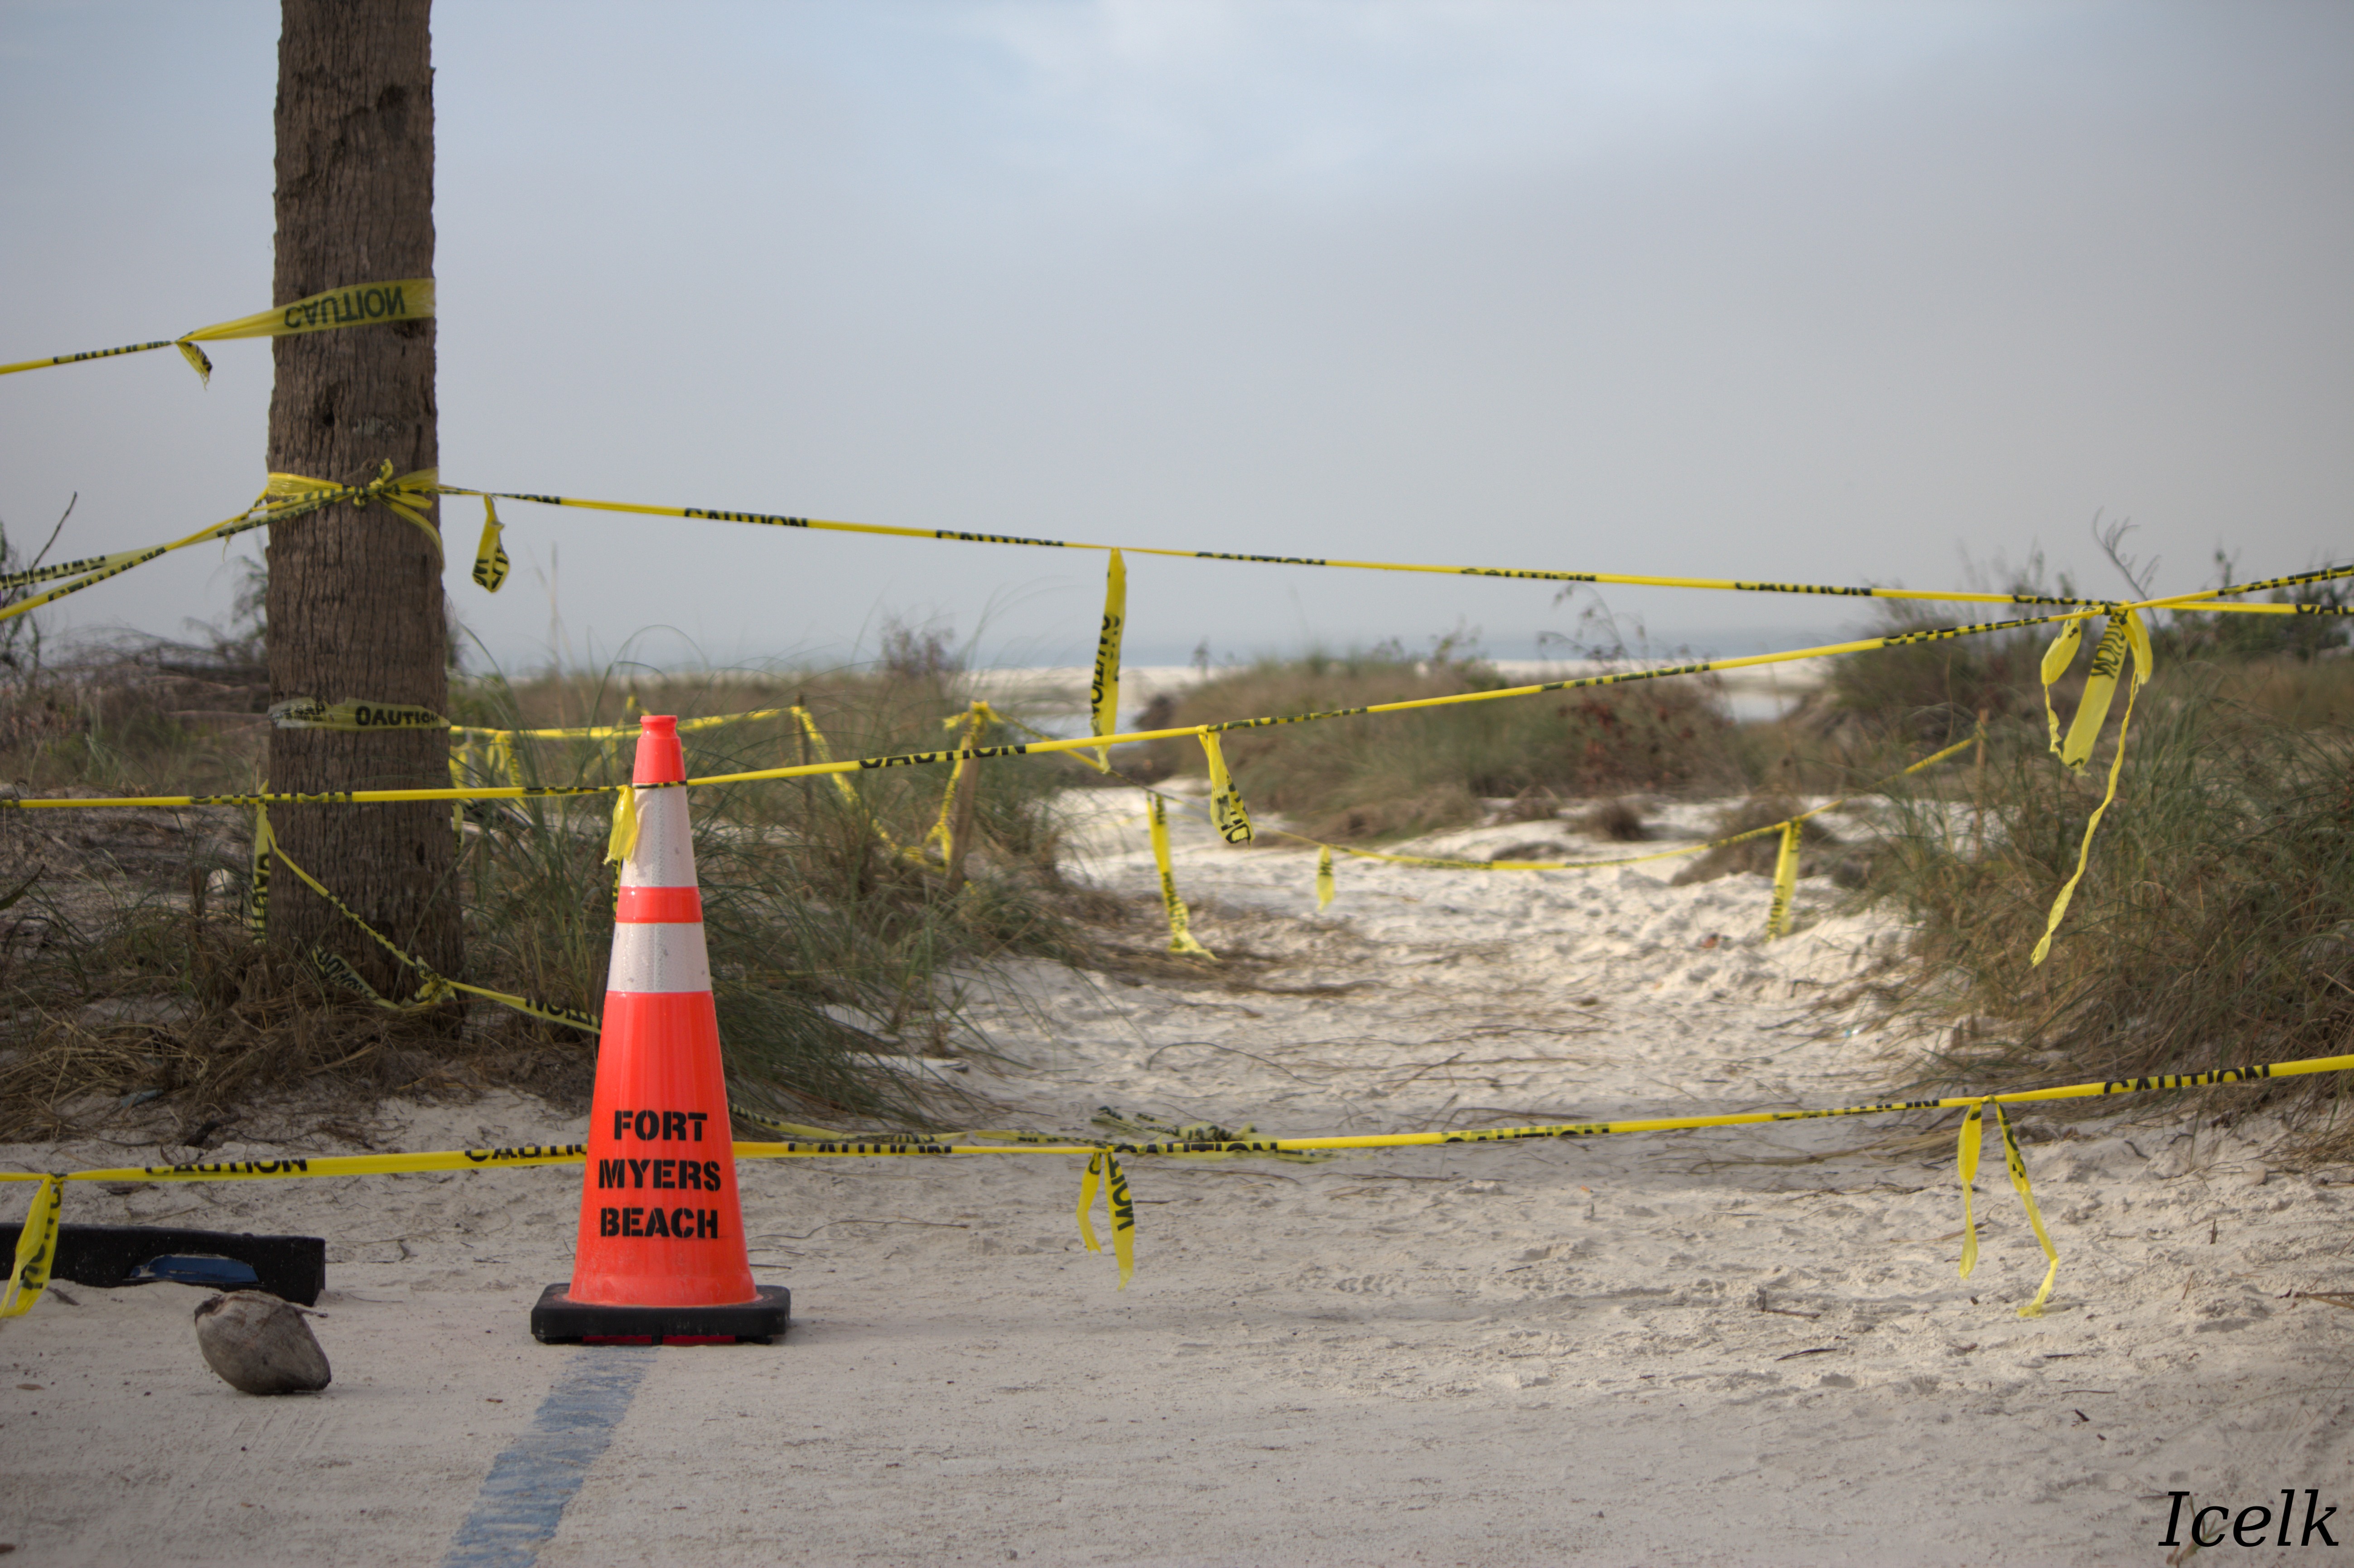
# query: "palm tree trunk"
{"type": "Point", "coordinates": [355, 604]}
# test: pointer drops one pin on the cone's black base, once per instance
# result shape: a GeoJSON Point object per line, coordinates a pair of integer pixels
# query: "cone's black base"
{"type": "Point", "coordinates": [557, 1320]}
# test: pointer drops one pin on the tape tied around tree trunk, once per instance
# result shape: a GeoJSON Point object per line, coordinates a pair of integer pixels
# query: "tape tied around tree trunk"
{"type": "Point", "coordinates": [361, 304]}
{"type": "Point", "coordinates": [352, 715]}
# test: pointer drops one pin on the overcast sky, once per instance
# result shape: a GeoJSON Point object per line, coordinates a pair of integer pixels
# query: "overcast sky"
{"type": "Point", "coordinates": [1839, 293]}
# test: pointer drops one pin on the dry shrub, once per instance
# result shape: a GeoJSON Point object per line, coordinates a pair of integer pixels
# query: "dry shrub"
{"type": "Point", "coordinates": [1757, 855]}
{"type": "Point", "coordinates": [1932, 693]}
{"type": "Point", "coordinates": [122, 993]}
{"type": "Point", "coordinates": [2305, 693]}
{"type": "Point", "coordinates": [173, 1016]}
{"type": "Point", "coordinates": [1391, 775]}
{"type": "Point", "coordinates": [140, 719]}
{"type": "Point", "coordinates": [1537, 804]}
{"type": "Point", "coordinates": [1620, 820]}
{"type": "Point", "coordinates": [2213, 928]}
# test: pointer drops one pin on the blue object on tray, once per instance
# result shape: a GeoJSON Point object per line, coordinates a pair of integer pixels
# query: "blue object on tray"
{"type": "Point", "coordinates": [194, 1268]}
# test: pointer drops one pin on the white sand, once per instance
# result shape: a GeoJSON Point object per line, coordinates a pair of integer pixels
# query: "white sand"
{"type": "Point", "coordinates": [1495, 1354]}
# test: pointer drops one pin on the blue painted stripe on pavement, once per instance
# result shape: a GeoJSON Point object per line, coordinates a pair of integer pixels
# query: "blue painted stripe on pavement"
{"type": "Point", "coordinates": [529, 1484]}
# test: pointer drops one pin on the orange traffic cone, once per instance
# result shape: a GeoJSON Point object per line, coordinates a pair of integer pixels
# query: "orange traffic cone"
{"type": "Point", "coordinates": [661, 1252]}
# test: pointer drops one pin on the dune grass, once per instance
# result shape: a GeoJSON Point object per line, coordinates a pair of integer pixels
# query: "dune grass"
{"type": "Point", "coordinates": [1395, 776]}
{"type": "Point", "coordinates": [129, 983]}
{"type": "Point", "coordinates": [2214, 925]}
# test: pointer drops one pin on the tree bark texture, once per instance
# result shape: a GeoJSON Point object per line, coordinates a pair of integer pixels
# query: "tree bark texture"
{"type": "Point", "coordinates": [355, 608]}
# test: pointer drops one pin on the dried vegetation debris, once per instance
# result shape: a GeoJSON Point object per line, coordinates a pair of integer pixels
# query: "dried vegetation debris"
{"type": "Point", "coordinates": [1758, 855]}
{"type": "Point", "coordinates": [1395, 775]}
{"type": "Point", "coordinates": [2211, 928]}
{"type": "Point", "coordinates": [131, 996]}
{"type": "Point", "coordinates": [128, 992]}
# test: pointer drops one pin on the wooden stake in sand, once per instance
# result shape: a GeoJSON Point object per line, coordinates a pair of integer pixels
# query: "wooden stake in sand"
{"type": "Point", "coordinates": [260, 1344]}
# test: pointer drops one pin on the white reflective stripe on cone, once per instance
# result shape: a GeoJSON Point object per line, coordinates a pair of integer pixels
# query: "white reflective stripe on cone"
{"type": "Point", "coordinates": [658, 958]}
{"type": "Point", "coordinates": [665, 853]}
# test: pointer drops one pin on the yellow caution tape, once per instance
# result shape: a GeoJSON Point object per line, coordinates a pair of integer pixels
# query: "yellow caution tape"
{"type": "Point", "coordinates": [2085, 850]}
{"type": "Point", "coordinates": [1122, 1209]}
{"type": "Point", "coordinates": [266, 508]}
{"type": "Point", "coordinates": [93, 563]}
{"type": "Point", "coordinates": [341, 970]}
{"type": "Point", "coordinates": [622, 842]}
{"type": "Point", "coordinates": [617, 731]}
{"type": "Point", "coordinates": [36, 1249]}
{"type": "Point", "coordinates": [696, 726]}
{"type": "Point", "coordinates": [432, 986]}
{"type": "Point", "coordinates": [1226, 812]}
{"type": "Point", "coordinates": [825, 753]}
{"type": "Point", "coordinates": [1181, 941]}
{"type": "Point", "coordinates": [2101, 687]}
{"type": "Point", "coordinates": [1181, 932]}
{"type": "Point", "coordinates": [1129, 1126]}
{"type": "Point", "coordinates": [415, 495]}
{"type": "Point", "coordinates": [2017, 1164]}
{"type": "Point", "coordinates": [1734, 585]}
{"type": "Point", "coordinates": [310, 713]}
{"type": "Point", "coordinates": [1103, 693]}
{"type": "Point", "coordinates": [340, 797]}
{"type": "Point", "coordinates": [2126, 636]}
{"type": "Point", "coordinates": [1325, 851]}
{"type": "Point", "coordinates": [408, 497]}
{"type": "Point", "coordinates": [362, 305]}
{"type": "Point", "coordinates": [1232, 817]}
{"type": "Point", "coordinates": [491, 563]}
{"type": "Point", "coordinates": [1966, 1164]}
{"type": "Point", "coordinates": [387, 1164]}
{"type": "Point", "coordinates": [829, 767]}
{"type": "Point", "coordinates": [2256, 1072]}
{"type": "Point", "coordinates": [2204, 598]}
{"type": "Point", "coordinates": [849, 792]}
{"type": "Point", "coordinates": [461, 758]}
{"type": "Point", "coordinates": [2056, 660]}
{"type": "Point", "coordinates": [1085, 743]}
{"type": "Point", "coordinates": [1973, 1134]}
{"type": "Point", "coordinates": [265, 844]}
{"type": "Point", "coordinates": [1785, 883]}
{"type": "Point", "coordinates": [941, 832]}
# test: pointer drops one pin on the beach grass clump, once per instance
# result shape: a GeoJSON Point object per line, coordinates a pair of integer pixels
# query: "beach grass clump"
{"type": "Point", "coordinates": [1932, 693]}
{"type": "Point", "coordinates": [1757, 855]}
{"type": "Point", "coordinates": [1399, 775]}
{"type": "Point", "coordinates": [1620, 819]}
{"type": "Point", "coordinates": [840, 950]}
{"type": "Point", "coordinates": [835, 937]}
{"type": "Point", "coordinates": [2214, 925]}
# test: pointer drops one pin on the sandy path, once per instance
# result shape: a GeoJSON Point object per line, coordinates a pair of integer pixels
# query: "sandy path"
{"type": "Point", "coordinates": [1660, 1349]}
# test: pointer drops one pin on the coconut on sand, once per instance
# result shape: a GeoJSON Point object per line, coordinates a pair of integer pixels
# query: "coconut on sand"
{"type": "Point", "coordinates": [260, 1344]}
